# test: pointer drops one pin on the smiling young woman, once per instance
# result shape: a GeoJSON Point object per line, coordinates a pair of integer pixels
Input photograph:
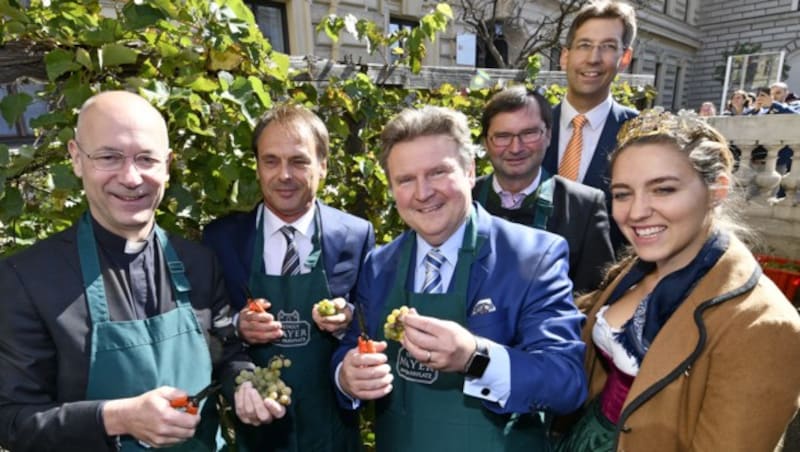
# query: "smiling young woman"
{"type": "Point", "coordinates": [691, 347]}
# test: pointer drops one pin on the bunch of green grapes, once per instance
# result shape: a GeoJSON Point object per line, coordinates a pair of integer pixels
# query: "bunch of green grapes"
{"type": "Point", "coordinates": [393, 328]}
{"type": "Point", "coordinates": [267, 380]}
{"type": "Point", "coordinates": [326, 307]}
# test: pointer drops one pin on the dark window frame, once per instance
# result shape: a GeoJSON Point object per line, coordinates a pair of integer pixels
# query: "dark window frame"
{"type": "Point", "coordinates": [21, 130]}
{"type": "Point", "coordinates": [281, 6]}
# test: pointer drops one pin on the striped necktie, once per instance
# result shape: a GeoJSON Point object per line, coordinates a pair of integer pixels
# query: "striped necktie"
{"type": "Point", "coordinates": [433, 276]}
{"type": "Point", "coordinates": [291, 261]}
{"type": "Point", "coordinates": [571, 161]}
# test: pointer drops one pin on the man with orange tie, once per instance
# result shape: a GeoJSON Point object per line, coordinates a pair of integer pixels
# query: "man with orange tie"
{"type": "Point", "coordinates": [599, 45]}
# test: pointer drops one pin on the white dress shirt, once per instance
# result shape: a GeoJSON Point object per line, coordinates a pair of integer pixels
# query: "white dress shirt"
{"type": "Point", "coordinates": [596, 120]}
{"type": "Point", "coordinates": [275, 241]}
{"type": "Point", "coordinates": [495, 384]}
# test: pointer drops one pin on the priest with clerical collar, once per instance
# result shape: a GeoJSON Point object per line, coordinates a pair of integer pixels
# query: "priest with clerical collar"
{"type": "Point", "coordinates": [111, 322]}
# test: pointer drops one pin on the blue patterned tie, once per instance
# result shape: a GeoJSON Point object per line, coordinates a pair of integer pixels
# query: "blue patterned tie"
{"type": "Point", "coordinates": [291, 261]}
{"type": "Point", "coordinates": [433, 276]}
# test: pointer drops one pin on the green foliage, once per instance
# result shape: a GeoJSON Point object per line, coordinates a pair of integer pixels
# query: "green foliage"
{"type": "Point", "coordinates": [208, 69]}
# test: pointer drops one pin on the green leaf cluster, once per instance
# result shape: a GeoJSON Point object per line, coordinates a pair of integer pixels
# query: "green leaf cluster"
{"type": "Point", "coordinates": [207, 68]}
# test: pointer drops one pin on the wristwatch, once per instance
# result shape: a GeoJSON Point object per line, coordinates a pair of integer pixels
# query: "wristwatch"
{"type": "Point", "coordinates": [477, 363]}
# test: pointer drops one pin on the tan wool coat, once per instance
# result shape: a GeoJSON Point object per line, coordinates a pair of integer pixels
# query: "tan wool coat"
{"type": "Point", "coordinates": [723, 374]}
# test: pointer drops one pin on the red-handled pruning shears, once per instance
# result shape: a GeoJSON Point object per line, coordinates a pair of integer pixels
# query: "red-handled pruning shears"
{"type": "Point", "coordinates": [365, 344]}
{"type": "Point", "coordinates": [253, 305]}
{"type": "Point", "coordinates": [191, 403]}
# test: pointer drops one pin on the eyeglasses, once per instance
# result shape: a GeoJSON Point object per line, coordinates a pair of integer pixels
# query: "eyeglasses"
{"type": "Point", "coordinates": [527, 136]}
{"type": "Point", "coordinates": [605, 48]}
{"type": "Point", "coordinates": [110, 160]}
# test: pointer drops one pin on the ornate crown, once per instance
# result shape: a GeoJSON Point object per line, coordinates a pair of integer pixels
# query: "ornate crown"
{"type": "Point", "coordinates": [684, 127]}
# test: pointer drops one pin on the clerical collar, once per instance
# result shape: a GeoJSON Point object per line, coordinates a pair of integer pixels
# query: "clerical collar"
{"type": "Point", "coordinates": [119, 245]}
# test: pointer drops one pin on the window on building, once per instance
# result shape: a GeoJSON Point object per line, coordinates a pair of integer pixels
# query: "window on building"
{"type": "Point", "coordinates": [395, 25]}
{"type": "Point", "coordinates": [485, 57]}
{"type": "Point", "coordinates": [21, 129]}
{"type": "Point", "coordinates": [271, 20]}
{"type": "Point", "coordinates": [555, 59]}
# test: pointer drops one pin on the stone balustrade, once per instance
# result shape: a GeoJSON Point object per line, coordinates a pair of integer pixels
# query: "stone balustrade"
{"type": "Point", "coordinates": [766, 144]}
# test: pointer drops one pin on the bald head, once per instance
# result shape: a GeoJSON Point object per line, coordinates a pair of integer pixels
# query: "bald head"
{"type": "Point", "coordinates": [114, 109]}
{"type": "Point", "coordinates": [121, 152]}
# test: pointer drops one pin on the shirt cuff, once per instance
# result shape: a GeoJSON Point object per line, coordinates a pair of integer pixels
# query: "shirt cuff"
{"type": "Point", "coordinates": [355, 402]}
{"type": "Point", "coordinates": [495, 384]}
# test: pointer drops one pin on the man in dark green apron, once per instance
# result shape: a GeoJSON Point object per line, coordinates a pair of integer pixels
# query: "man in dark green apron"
{"type": "Point", "coordinates": [294, 251]}
{"type": "Point", "coordinates": [516, 127]}
{"type": "Point", "coordinates": [491, 345]}
{"type": "Point", "coordinates": [109, 322]}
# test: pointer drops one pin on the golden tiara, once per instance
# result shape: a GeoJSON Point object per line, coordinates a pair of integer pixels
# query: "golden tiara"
{"type": "Point", "coordinates": [684, 126]}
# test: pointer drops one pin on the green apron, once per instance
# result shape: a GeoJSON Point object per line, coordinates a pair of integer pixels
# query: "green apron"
{"type": "Point", "coordinates": [129, 358]}
{"type": "Point", "coordinates": [540, 202]}
{"type": "Point", "coordinates": [427, 409]}
{"type": "Point", "coordinates": [313, 421]}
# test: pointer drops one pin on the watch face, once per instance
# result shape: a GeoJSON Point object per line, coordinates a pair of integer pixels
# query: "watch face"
{"type": "Point", "coordinates": [478, 365]}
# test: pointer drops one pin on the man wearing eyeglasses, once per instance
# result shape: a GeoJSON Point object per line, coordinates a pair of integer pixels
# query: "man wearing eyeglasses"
{"type": "Point", "coordinates": [106, 325]}
{"type": "Point", "coordinates": [598, 47]}
{"type": "Point", "coordinates": [516, 127]}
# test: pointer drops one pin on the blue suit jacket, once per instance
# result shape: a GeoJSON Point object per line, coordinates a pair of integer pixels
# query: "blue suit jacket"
{"type": "Point", "coordinates": [346, 240]}
{"type": "Point", "coordinates": [598, 173]}
{"type": "Point", "coordinates": [524, 273]}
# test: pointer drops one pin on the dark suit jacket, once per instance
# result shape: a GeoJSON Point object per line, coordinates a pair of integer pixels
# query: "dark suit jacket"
{"type": "Point", "coordinates": [346, 240]}
{"type": "Point", "coordinates": [579, 215]}
{"type": "Point", "coordinates": [599, 173]}
{"type": "Point", "coordinates": [523, 271]}
{"type": "Point", "coordinates": [45, 343]}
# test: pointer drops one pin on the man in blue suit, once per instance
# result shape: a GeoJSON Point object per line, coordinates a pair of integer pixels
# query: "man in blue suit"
{"type": "Point", "coordinates": [599, 46]}
{"type": "Point", "coordinates": [289, 253]}
{"type": "Point", "coordinates": [491, 344]}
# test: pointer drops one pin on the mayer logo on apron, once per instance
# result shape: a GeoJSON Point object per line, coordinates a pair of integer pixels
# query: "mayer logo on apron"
{"type": "Point", "coordinates": [313, 421]}
{"type": "Point", "coordinates": [296, 332]}
{"type": "Point", "coordinates": [408, 368]}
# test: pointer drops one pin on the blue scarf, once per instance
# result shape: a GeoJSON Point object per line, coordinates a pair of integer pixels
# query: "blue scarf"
{"type": "Point", "coordinates": [657, 307]}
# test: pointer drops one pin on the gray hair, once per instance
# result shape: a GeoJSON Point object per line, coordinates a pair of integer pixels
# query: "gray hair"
{"type": "Point", "coordinates": [412, 123]}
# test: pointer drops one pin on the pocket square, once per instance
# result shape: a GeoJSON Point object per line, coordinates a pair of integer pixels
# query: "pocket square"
{"type": "Point", "coordinates": [484, 306]}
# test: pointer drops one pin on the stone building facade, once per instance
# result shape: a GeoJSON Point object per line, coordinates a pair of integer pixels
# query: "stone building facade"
{"type": "Point", "coordinates": [681, 43]}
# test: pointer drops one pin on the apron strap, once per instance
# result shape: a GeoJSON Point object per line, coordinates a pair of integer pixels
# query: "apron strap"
{"type": "Point", "coordinates": [90, 271]}
{"type": "Point", "coordinates": [180, 283]}
{"type": "Point", "coordinates": [466, 255]}
{"type": "Point", "coordinates": [544, 201]}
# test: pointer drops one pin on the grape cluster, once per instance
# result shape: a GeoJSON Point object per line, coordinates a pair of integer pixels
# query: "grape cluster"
{"type": "Point", "coordinates": [326, 308]}
{"type": "Point", "coordinates": [393, 328]}
{"type": "Point", "coordinates": [267, 380]}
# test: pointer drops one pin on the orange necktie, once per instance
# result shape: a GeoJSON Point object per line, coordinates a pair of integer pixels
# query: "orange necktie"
{"type": "Point", "coordinates": [571, 161]}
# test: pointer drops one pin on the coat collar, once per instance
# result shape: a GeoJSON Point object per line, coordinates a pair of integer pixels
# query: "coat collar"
{"type": "Point", "coordinates": [675, 342]}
